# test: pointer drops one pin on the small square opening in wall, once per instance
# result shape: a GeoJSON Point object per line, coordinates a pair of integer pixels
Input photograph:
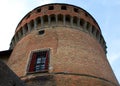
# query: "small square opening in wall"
{"type": "Point", "coordinates": [51, 8]}
{"type": "Point", "coordinates": [63, 7]}
{"type": "Point", "coordinates": [38, 10]}
{"type": "Point", "coordinates": [75, 10]}
{"type": "Point", "coordinates": [41, 32]}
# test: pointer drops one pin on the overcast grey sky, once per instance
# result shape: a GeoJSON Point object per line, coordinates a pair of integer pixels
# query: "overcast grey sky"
{"type": "Point", "coordinates": [106, 13]}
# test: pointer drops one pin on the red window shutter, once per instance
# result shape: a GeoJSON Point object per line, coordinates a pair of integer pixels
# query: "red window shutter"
{"type": "Point", "coordinates": [32, 63]}
{"type": "Point", "coordinates": [47, 60]}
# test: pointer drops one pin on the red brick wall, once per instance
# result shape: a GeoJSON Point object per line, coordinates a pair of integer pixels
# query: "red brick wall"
{"type": "Point", "coordinates": [71, 51]}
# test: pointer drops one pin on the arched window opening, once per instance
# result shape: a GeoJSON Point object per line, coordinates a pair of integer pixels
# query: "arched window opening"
{"type": "Point", "coordinates": [32, 24]}
{"type": "Point", "coordinates": [60, 17]}
{"type": "Point", "coordinates": [94, 31]}
{"type": "Point", "coordinates": [25, 28]}
{"type": "Point", "coordinates": [38, 21]}
{"type": "Point", "coordinates": [39, 61]}
{"type": "Point", "coordinates": [75, 20]}
{"type": "Point", "coordinates": [82, 22]}
{"type": "Point", "coordinates": [21, 31]}
{"type": "Point", "coordinates": [45, 19]}
{"type": "Point", "coordinates": [53, 19]}
{"type": "Point", "coordinates": [88, 26]}
{"type": "Point", "coordinates": [67, 19]}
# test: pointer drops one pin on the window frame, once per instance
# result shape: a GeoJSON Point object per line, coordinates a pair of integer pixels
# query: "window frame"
{"type": "Point", "coordinates": [31, 57]}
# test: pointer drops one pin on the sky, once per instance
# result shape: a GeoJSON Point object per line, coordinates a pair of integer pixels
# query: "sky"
{"type": "Point", "coordinates": [105, 12]}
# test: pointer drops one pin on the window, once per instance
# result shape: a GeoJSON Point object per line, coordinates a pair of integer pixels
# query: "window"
{"type": "Point", "coordinates": [82, 22]}
{"type": "Point", "coordinates": [67, 18]}
{"type": "Point", "coordinates": [39, 61]}
{"type": "Point", "coordinates": [63, 7]}
{"type": "Point", "coordinates": [38, 20]}
{"type": "Point", "coordinates": [88, 25]}
{"type": "Point", "coordinates": [53, 18]}
{"type": "Point", "coordinates": [75, 19]}
{"type": "Point", "coordinates": [60, 17]}
{"type": "Point", "coordinates": [76, 10]}
{"type": "Point", "coordinates": [25, 29]}
{"type": "Point", "coordinates": [93, 29]}
{"type": "Point", "coordinates": [32, 24]}
{"type": "Point", "coordinates": [51, 8]}
{"type": "Point", "coordinates": [45, 18]}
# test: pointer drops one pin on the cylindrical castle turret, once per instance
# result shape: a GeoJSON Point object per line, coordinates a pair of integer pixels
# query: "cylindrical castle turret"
{"type": "Point", "coordinates": [60, 45]}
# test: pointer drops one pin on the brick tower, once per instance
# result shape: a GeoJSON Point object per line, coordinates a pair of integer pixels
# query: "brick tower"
{"type": "Point", "coordinates": [60, 45]}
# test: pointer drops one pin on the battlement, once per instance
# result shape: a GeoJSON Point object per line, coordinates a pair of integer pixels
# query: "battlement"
{"type": "Point", "coordinates": [58, 15]}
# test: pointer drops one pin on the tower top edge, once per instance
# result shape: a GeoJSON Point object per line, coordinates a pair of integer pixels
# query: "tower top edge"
{"type": "Point", "coordinates": [64, 4]}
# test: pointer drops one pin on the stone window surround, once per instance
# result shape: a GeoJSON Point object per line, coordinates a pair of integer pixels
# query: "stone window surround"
{"type": "Point", "coordinates": [30, 58]}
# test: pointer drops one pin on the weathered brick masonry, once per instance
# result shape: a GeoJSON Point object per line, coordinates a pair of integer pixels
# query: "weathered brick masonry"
{"type": "Point", "coordinates": [77, 50]}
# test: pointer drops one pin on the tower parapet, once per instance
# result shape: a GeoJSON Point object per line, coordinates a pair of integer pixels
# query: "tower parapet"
{"type": "Point", "coordinates": [58, 15]}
